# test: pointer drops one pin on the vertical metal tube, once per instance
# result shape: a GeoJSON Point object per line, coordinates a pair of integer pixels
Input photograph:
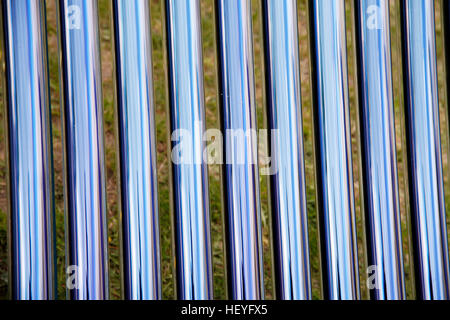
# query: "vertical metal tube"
{"type": "Point", "coordinates": [333, 150]}
{"type": "Point", "coordinates": [30, 151]}
{"type": "Point", "coordinates": [139, 192]}
{"type": "Point", "coordinates": [240, 171]}
{"type": "Point", "coordinates": [287, 180]}
{"type": "Point", "coordinates": [87, 256]}
{"type": "Point", "coordinates": [380, 179]}
{"type": "Point", "coordinates": [424, 151]}
{"type": "Point", "coordinates": [189, 171]}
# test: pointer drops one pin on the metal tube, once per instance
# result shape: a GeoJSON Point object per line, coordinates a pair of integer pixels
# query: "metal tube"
{"type": "Point", "coordinates": [189, 171]}
{"type": "Point", "coordinates": [424, 151]}
{"type": "Point", "coordinates": [333, 150]}
{"type": "Point", "coordinates": [287, 180]}
{"type": "Point", "coordinates": [87, 256]}
{"type": "Point", "coordinates": [240, 170]}
{"type": "Point", "coordinates": [380, 179]}
{"type": "Point", "coordinates": [139, 192]}
{"type": "Point", "coordinates": [31, 209]}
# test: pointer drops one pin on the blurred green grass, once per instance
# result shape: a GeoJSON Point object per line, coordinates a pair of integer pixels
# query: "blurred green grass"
{"type": "Point", "coordinates": [159, 77]}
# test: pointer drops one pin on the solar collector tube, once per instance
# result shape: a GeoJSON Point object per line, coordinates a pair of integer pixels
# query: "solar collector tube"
{"type": "Point", "coordinates": [333, 150]}
{"type": "Point", "coordinates": [31, 210]}
{"type": "Point", "coordinates": [189, 170]}
{"type": "Point", "coordinates": [87, 254]}
{"type": "Point", "coordinates": [287, 181]}
{"type": "Point", "coordinates": [139, 192]}
{"type": "Point", "coordinates": [429, 229]}
{"type": "Point", "coordinates": [380, 177]}
{"type": "Point", "coordinates": [240, 169]}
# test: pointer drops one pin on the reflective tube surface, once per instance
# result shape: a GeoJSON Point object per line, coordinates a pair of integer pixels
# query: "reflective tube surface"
{"type": "Point", "coordinates": [240, 171]}
{"type": "Point", "coordinates": [189, 172]}
{"type": "Point", "coordinates": [139, 193]}
{"type": "Point", "coordinates": [380, 181]}
{"type": "Point", "coordinates": [333, 150]}
{"type": "Point", "coordinates": [288, 195]}
{"type": "Point", "coordinates": [424, 147]}
{"type": "Point", "coordinates": [87, 257]}
{"type": "Point", "coordinates": [31, 211]}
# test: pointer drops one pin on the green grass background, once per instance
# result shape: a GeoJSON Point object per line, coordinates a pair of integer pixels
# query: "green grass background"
{"type": "Point", "coordinates": [159, 77]}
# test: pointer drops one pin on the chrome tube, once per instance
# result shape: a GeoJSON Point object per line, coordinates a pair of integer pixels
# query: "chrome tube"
{"type": "Point", "coordinates": [380, 179]}
{"type": "Point", "coordinates": [87, 255]}
{"type": "Point", "coordinates": [333, 150]}
{"type": "Point", "coordinates": [189, 171]}
{"type": "Point", "coordinates": [287, 181]}
{"type": "Point", "coordinates": [240, 170]}
{"type": "Point", "coordinates": [138, 179]}
{"type": "Point", "coordinates": [31, 209]}
{"type": "Point", "coordinates": [424, 151]}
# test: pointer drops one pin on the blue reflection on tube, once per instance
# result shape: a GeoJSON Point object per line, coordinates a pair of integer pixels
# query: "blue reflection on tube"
{"type": "Point", "coordinates": [288, 195]}
{"type": "Point", "coordinates": [87, 256]}
{"type": "Point", "coordinates": [139, 193]}
{"type": "Point", "coordinates": [380, 180]}
{"type": "Point", "coordinates": [240, 172]}
{"type": "Point", "coordinates": [30, 151]}
{"type": "Point", "coordinates": [333, 150]}
{"type": "Point", "coordinates": [424, 151]}
{"type": "Point", "coordinates": [190, 175]}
